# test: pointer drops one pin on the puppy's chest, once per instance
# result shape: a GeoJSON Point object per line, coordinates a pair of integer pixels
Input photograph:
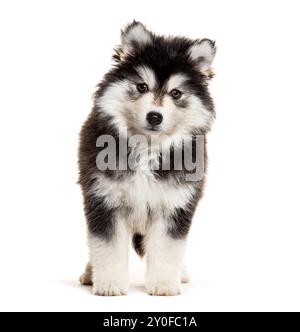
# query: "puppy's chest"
{"type": "Point", "coordinates": [142, 191]}
{"type": "Point", "coordinates": [144, 198]}
{"type": "Point", "coordinates": [141, 195]}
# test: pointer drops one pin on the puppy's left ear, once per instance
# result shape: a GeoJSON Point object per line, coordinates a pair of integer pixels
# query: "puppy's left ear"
{"type": "Point", "coordinates": [134, 37]}
{"type": "Point", "coordinates": [202, 53]}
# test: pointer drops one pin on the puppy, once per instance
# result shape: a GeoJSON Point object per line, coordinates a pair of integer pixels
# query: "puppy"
{"type": "Point", "coordinates": [142, 159]}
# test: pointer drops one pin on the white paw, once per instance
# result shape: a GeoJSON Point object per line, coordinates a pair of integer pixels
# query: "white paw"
{"type": "Point", "coordinates": [163, 288]}
{"type": "Point", "coordinates": [185, 277]}
{"type": "Point", "coordinates": [110, 288]}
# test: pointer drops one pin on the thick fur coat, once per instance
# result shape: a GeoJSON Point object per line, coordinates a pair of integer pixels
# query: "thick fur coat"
{"type": "Point", "coordinates": [155, 95]}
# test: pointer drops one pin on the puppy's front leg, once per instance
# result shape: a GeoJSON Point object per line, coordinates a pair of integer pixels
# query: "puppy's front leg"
{"type": "Point", "coordinates": [109, 260]}
{"type": "Point", "coordinates": [164, 260]}
{"type": "Point", "coordinates": [108, 242]}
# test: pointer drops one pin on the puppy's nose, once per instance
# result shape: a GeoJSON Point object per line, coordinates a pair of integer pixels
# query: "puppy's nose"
{"type": "Point", "coordinates": [154, 118]}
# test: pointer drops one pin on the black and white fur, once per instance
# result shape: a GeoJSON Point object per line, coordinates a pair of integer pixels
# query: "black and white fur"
{"type": "Point", "coordinates": [151, 208]}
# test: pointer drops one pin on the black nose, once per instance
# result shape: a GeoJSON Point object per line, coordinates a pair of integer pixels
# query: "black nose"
{"type": "Point", "coordinates": [154, 118]}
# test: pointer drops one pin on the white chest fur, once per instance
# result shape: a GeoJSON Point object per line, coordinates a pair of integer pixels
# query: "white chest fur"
{"type": "Point", "coordinates": [141, 192]}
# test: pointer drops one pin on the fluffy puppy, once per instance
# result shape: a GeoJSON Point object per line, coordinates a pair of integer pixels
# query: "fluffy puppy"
{"type": "Point", "coordinates": [152, 106]}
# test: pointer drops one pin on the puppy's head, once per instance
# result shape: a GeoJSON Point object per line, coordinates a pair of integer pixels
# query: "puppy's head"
{"type": "Point", "coordinates": [159, 84]}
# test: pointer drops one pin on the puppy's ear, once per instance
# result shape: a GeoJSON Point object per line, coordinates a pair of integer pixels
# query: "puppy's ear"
{"type": "Point", "coordinates": [134, 37]}
{"type": "Point", "coordinates": [202, 53]}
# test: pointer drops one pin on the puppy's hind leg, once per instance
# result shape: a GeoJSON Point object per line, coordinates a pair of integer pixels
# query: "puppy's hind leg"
{"type": "Point", "coordinates": [86, 277]}
{"type": "Point", "coordinates": [185, 276]}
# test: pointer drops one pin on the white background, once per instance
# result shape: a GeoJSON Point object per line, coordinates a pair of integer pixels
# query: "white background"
{"type": "Point", "coordinates": [244, 245]}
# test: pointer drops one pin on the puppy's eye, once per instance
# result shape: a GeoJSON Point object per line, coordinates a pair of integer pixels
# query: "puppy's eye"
{"type": "Point", "coordinates": [176, 94]}
{"type": "Point", "coordinates": [142, 87]}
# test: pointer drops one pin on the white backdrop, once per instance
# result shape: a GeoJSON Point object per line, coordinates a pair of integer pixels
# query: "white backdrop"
{"type": "Point", "coordinates": [244, 244]}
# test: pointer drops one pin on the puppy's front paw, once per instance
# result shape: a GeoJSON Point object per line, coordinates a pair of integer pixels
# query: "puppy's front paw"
{"type": "Point", "coordinates": [110, 288]}
{"type": "Point", "coordinates": [163, 288]}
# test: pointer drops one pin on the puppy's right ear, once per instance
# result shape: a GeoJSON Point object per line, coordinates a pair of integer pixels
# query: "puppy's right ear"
{"type": "Point", "coordinates": [134, 37]}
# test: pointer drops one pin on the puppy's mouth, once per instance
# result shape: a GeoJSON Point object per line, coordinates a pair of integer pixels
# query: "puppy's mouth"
{"type": "Point", "coordinates": [153, 128]}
